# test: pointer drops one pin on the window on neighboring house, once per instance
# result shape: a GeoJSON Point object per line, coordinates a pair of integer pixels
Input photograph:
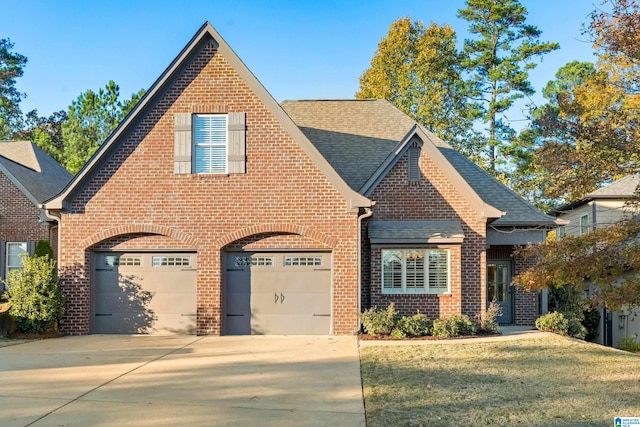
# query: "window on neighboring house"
{"type": "Point", "coordinates": [560, 232]}
{"type": "Point", "coordinates": [584, 224]}
{"type": "Point", "coordinates": [415, 271]}
{"type": "Point", "coordinates": [210, 136]}
{"type": "Point", "coordinates": [14, 260]}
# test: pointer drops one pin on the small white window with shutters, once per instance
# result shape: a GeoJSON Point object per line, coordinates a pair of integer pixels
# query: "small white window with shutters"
{"type": "Point", "coordinates": [210, 143]}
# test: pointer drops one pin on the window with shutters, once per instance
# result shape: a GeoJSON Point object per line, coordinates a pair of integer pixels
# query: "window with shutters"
{"type": "Point", "coordinates": [210, 143]}
{"type": "Point", "coordinates": [415, 271]}
{"type": "Point", "coordinates": [210, 136]}
{"type": "Point", "coordinates": [15, 251]}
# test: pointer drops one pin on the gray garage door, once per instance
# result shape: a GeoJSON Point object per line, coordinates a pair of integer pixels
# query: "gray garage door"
{"type": "Point", "coordinates": [144, 293]}
{"type": "Point", "coordinates": [278, 293]}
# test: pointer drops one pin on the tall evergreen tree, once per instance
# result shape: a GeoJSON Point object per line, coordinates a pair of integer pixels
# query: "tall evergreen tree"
{"type": "Point", "coordinates": [92, 118]}
{"type": "Point", "coordinates": [11, 67]}
{"type": "Point", "coordinates": [498, 61]}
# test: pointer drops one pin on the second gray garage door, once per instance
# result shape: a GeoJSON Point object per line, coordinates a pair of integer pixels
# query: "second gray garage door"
{"type": "Point", "coordinates": [143, 293]}
{"type": "Point", "coordinates": [278, 293]}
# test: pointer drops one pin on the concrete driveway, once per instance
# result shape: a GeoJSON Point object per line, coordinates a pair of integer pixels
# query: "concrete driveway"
{"type": "Point", "coordinates": [103, 380]}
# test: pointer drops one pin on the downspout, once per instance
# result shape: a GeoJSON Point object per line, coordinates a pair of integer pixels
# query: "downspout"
{"type": "Point", "coordinates": [368, 212]}
{"type": "Point", "coordinates": [56, 218]}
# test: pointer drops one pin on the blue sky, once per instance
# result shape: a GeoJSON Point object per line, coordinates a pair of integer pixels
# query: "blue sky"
{"type": "Point", "coordinates": [297, 49]}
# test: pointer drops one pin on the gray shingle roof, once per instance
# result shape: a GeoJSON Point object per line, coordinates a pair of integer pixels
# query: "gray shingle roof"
{"type": "Point", "coordinates": [356, 136]}
{"type": "Point", "coordinates": [415, 231]}
{"type": "Point", "coordinates": [622, 188]}
{"type": "Point", "coordinates": [352, 139]}
{"type": "Point", "coordinates": [39, 174]}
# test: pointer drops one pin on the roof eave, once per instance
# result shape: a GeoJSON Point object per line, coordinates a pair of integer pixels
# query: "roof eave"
{"type": "Point", "coordinates": [485, 210]}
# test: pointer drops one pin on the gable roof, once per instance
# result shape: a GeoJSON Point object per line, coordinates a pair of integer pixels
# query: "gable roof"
{"type": "Point", "coordinates": [363, 139]}
{"type": "Point", "coordinates": [32, 170]}
{"type": "Point", "coordinates": [206, 34]}
{"type": "Point", "coordinates": [621, 189]}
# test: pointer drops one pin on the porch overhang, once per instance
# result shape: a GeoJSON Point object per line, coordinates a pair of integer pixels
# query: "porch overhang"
{"type": "Point", "coordinates": [415, 232]}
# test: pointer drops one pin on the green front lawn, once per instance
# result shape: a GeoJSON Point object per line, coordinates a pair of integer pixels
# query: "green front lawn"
{"type": "Point", "coordinates": [547, 381]}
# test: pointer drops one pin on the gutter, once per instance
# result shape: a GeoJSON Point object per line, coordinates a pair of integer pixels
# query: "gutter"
{"type": "Point", "coordinates": [56, 218]}
{"type": "Point", "coordinates": [368, 212]}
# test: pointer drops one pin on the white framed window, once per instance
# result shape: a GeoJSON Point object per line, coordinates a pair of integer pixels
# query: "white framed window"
{"type": "Point", "coordinates": [210, 138]}
{"type": "Point", "coordinates": [415, 271]}
{"type": "Point", "coordinates": [294, 261]}
{"type": "Point", "coordinates": [560, 232]}
{"type": "Point", "coordinates": [171, 261]}
{"type": "Point", "coordinates": [584, 224]}
{"type": "Point", "coordinates": [14, 260]}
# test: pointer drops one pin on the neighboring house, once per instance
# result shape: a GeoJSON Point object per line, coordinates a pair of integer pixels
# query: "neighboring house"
{"type": "Point", "coordinates": [602, 208]}
{"type": "Point", "coordinates": [28, 177]}
{"type": "Point", "coordinates": [212, 209]}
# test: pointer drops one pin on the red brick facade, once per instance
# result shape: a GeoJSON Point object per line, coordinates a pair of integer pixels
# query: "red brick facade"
{"type": "Point", "coordinates": [433, 198]}
{"type": "Point", "coordinates": [19, 219]}
{"type": "Point", "coordinates": [136, 200]}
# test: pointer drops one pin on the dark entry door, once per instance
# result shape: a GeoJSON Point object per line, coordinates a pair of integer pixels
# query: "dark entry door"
{"type": "Point", "coordinates": [499, 288]}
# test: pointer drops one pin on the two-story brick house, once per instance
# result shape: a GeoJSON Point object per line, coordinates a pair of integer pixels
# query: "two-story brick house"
{"type": "Point", "coordinates": [212, 209]}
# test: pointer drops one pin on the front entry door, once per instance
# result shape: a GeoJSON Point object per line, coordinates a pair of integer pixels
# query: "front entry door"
{"type": "Point", "coordinates": [499, 288]}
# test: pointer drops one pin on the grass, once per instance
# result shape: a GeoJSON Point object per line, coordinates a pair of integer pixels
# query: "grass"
{"type": "Point", "coordinates": [548, 381]}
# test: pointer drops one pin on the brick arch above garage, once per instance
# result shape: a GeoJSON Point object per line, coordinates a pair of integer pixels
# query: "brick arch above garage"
{"type": "Point", "coordinates": [258, 236]}
{"type": "Point", "coordinates": [275, 241]}
{"type": "Point", "coordinates": [128, 236]}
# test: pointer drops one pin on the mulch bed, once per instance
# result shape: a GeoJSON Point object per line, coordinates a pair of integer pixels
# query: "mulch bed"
{"type": "Point", "coordinates": [372, 337]}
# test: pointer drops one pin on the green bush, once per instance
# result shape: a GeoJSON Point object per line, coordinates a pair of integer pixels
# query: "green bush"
{"type": "Point", "coordinates": [486, 322]}
{"type": "Point", "coordinates": [381, 321]}
{"type": "Point", "coordinates": [553, 322]}
{"type": "Point", "coordinates": [629, 344]}
{"type": "Point", "coordinates": [36, 300]}
{"type": "Point", "coordinates": [43, 248]}
{"type": "Point", "coordinates": [576, 329]}
{"type": "Point", "coordinates": [398, 333]}
{"type": "Point", "coordinates": [591, 323]}
{"type": "Point", "coordinates": [453, 326]}
{"type": "Point", "coordinates": [417, 325]}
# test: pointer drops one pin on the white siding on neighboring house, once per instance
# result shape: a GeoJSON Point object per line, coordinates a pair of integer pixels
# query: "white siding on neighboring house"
{"type": "Point", "coordinates": [573, 216]}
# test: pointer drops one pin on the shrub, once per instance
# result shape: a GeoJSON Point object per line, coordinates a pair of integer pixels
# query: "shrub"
{"type": "Point", "coordinates": [417, 325]}
{"type": "Point", "coordinates": [629, 344]}
{"type": "Point", "coordinates": [486, 322]}
{"type": "Point", "coordinates": [575, 327]}
{"type": "Point", "coordinates": [43, 248]}
{"type": "Point", "coordinates": [453, 326]}
{"type": "Point", "coordinates": [36, 300]}
{"type": "Point", "coordinates": [591, 323]}
{"type": "Point", "coordinates": [380, 321]}
{"type": "Point", "coordinates": [398, 333]}
{"type": "Point", "coordinates": [553, 322]}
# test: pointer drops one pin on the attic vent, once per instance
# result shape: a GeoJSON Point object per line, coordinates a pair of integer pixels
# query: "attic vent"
{"type": "Point", "coordinates": [413, 164]}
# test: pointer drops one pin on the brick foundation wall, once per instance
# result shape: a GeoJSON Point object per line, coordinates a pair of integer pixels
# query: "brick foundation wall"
{"type": "Point", "coordinates": [135, 192]}
{"type": "Point", "coordinates": [433, 198]}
